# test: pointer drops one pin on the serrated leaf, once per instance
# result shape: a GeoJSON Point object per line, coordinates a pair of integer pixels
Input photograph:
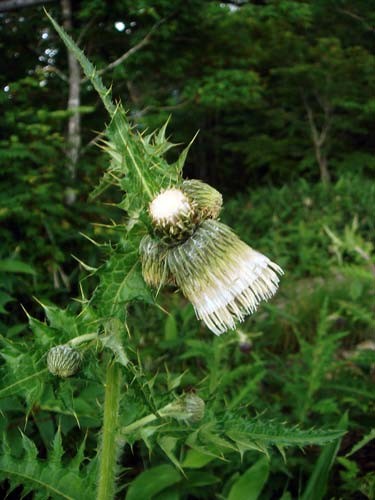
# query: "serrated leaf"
{"type": "Point", "coordinates": [121, 282]}
{"type": "Point", "coordinates": [365, 440]}
{"type": "Point", "coordinates": [87, 66]}
{"type": "Point", "coordinates": [276, 433]}
{"type": "Point", "coordinates": [47, 478]}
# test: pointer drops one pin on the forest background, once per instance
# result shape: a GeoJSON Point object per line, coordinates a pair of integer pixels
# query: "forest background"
{"type": "Point", "coordinates": [282, 93]}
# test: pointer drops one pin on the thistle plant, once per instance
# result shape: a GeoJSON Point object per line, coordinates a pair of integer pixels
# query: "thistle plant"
{"type": "Point", "coordinates": [171, 236]}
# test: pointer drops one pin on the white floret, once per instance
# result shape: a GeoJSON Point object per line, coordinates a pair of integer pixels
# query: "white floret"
{"type": "Point", "coordinates": [169, 205]}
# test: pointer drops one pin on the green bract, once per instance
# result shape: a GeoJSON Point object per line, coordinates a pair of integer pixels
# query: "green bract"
{"type": "Point", "coordinates": [194, 407]}
{"type": "Point", "coordinates": [63, 361]}
{"type": "Point", "coordinates": [208, 201]}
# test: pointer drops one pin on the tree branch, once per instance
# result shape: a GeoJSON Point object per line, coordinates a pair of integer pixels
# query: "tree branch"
{"type": "Point", "coordinates": [357, 18]}
{"type": "Point", "coordinates": [130, 52]}
{"type": "Point", "coordinates": [20, 4]}
{"type": "Point", "coordinates": [319, 138]}
{"type": "Point", "coordinates": [52, 69]}
{"type": "Point", "coordinates": [151, 107]}
{"type": "Point", "coordinates": [85, 29]}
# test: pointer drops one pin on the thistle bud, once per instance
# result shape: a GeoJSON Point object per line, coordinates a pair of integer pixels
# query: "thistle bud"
{"type": "Point", "coordinates": [154, 263]}
{"type": "Point", "coordinates": [63, 361]}
{"type": "Point", "coordinates": [194, 407]}
{"type": "Point", "coordinates": [189, 408]}
{"type": "Point", "coordinates": [245, 344]}
{"type": "Point", "coordinates": [208, 201]}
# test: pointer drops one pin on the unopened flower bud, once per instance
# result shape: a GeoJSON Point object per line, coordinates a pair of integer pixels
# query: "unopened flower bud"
{"type": "Point", "coordinates": [208, 201]}
{"type": "Point", "coordinates": [189, 408]}
{"type": "Point", "coordinates": [63, 361]}
{"type": "Point", "coordinates": [194, 407]}
{"type": "Point", "coordinates": [154, 263]}
{"type": "Point", "coordinates": [245, 344]}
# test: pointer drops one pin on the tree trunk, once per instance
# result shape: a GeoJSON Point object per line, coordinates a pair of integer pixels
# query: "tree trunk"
{"type": "Point", "coordinates": [319, 139]}
{"type": "Point", "coordinates": [74, 101]}
{"type": "Point", "coordinates": [321, 158]}
{"type": "Point", "coordinates": [19, 4]}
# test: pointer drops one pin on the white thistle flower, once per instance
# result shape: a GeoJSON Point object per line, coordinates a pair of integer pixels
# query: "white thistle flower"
{"type": "Point", "coordinates": [222, 276]}
{"type": "Point", "coordinates": [169, 206]}
{"type": "Point", "coordinates": [172, 215]}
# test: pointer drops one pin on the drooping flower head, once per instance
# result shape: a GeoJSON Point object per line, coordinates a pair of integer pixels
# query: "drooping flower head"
{"type": "Point", "coordinates": [222, 276]}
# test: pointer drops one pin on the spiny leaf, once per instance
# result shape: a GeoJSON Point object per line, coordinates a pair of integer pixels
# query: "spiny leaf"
{"type": "Point", "coordinates": [50, 478]}
{"type": "Point", "coordinates": [25, 372]}
{"type": "Point", "coordinates": [121, 282]}
{"type": "Point", "coordinates": [276, 433]}
{"type": "Point", "coordinates": [137, 160]}
{"type": "Point", "coordinates": [87, 66]}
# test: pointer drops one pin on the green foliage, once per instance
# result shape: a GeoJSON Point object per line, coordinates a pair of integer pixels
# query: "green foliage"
{"type": "Point", "coordinates": [245, 75]}
{"type": "Point", "coordinates": [318, 481]}
{"type": "Point", "coordinates": [250, 484]}
{"type": "Point", "coordinates": [153, 481]}
{"type": "Point", "coordinates": [50, 478]}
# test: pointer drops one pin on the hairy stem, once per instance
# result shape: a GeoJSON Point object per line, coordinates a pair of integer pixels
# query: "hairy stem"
{"type": "Point", "coordinates": [83, 338]}
{"type": "Point", "coordinates": [171, 409]}
{"type": "Point", "coordinates": [139, 423]}
{"type": "Point", "coordinates": [108, 452]}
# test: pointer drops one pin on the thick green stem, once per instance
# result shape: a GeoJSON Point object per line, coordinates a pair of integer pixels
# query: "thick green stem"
{"type": "Point", "coordinates": [139, 423]}
{"type": "Point", "coordinates": [108, 452]}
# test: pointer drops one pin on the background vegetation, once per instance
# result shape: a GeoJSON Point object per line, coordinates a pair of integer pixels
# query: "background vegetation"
{"type": "Point", "coordinates": [282, 93]}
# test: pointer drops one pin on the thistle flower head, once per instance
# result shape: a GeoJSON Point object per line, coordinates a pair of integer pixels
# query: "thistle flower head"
{"type": "Point", "coordinates": [169, 206]}
{"type": "Point", "coordinates": [63, 361]}
{"type": "Point", "coordinates": [194, 407]}
{"type": "Point", "coordinates": [223, 278]}
{"type": "Point", "coordinates": [172, 215]}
